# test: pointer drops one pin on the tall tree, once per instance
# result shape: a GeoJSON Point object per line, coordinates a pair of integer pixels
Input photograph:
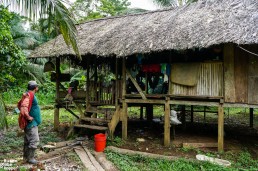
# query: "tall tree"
{"type": "Point", "coordinates": [11, 58]}
{"type": "Point", "coordinates": [93, 9]}
{"type": "Point", "coordinates": [54, 10]}
{"type": "Point", "coordinates": [174, 3]}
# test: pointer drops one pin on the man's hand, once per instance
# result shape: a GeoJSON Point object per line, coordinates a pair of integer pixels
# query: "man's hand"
{"type": "Point", "coordinates": [30, 118]}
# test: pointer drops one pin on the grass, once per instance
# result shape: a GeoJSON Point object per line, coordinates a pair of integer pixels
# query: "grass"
{"type": "Point", "coordinates": [137, 162]}
{"type": "Point", "coordinates": [11, 146]}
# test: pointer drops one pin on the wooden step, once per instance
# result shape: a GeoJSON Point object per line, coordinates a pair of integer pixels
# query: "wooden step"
{"type": "Point", "coordinates": [102, 128]}
{"type": "Point", "coordinates": [95, 119]}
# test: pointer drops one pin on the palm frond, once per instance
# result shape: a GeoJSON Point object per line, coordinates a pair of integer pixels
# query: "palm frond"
{"type": "Point", "coordinates": [35, 71]}
{"type": "Point", "coordinates": [55, 10]}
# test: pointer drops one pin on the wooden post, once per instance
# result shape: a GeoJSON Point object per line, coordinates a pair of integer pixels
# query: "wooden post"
{"type": "Point", "coordinates": [116, 88]}
{"type": "Point", "coordinates": [167, 124]}
{"type": "Point", "coordinates": [183, 117]}
{"type": "Point", "coordinates": [192, 110]}
{"type": "Point", "coordinates": [141, 113]}
{"type": "Point", "coordinates": [56, 113]}
{"type": "Point", "coordinates": [124, 117]}
{"type": "Point", "coordinates": [204, 114]}
{"type": "Point", "coordinates": [149, 111]}
{"type": "Point", "coordinates": [220, 128]}
{"type": "Point", "coordinates": [251, 117]}
{"type": "Point", "coordinates": [88, 84]}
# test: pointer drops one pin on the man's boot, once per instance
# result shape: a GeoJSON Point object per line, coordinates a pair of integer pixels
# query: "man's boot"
{"type": "Point", "coordinates": [25, 153]}
{"type": "Point", "coordinates": [31, 158]}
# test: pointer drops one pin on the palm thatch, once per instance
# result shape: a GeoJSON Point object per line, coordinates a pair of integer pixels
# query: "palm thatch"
{"type": "Point", "coordinates": [200, 24]}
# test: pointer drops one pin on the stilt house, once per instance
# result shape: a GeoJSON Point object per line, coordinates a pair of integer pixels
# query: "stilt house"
{"type": "Point", "coordinates": [204, 53]}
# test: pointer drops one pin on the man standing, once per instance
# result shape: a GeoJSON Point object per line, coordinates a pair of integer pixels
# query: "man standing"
{"type": "Point", "coordinates": [31, 108]}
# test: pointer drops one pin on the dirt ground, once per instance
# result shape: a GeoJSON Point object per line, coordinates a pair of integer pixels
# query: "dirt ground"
{"type": "Point", "coordinates": [235, 138]}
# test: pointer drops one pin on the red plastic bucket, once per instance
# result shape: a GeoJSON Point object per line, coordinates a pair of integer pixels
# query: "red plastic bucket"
{"type": "Point", "coordinates": [100, 142]}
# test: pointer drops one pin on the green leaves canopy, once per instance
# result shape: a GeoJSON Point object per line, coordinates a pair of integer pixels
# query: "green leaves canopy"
{"type": "Point", "coordinates": [11, 55]}
{"type": "Point", "coordinates": [54, 10]}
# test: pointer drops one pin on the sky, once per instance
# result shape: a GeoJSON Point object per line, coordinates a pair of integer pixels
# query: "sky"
{"type": "Point", "coordinates": [144, 4]}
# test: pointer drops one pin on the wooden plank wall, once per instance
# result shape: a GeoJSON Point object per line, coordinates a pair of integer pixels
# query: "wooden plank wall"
{"type": "Point", "coordinates": [229, 73]}
{"type": "Point", "coordinates": [252, 75]}
{"type": "Point", "coordinates": [210, 82]}
{"type": "Point", "coordinates": [241, 76]}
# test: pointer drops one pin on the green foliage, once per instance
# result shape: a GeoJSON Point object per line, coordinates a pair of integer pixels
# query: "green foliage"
{"type": "Point", "coordinates": [11, 146]}
{"type": "Point", "coordinates": [117, 141]}
{"type": "Point", "coordinates": [244, 160]}
{"type": "Point", "coordinates": [112, 7]}
{"type": "Point", "coordinates": [45, 95]}
{"type": "Point", "coordinates": [3, 121]}
{"type": "Point", "coordinates": [137, 162]}
{"type": "Point", "coordinates": [56, 12]}
{"type": "Point", "coordinates": [94, 9]}
{"type": "Point", "coordinates": [11, 55]}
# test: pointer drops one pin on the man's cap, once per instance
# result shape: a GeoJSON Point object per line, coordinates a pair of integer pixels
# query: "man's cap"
{"type": "Point", "coordinates": [32, 83]}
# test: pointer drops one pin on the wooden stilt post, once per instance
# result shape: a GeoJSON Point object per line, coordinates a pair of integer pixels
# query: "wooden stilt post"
{"type": "Point", "coordinates": [141, 113]}
{"type": "Point", "coordinates": [56, 113]}
{"type": "Point", "coordinates": [251, 117]}
{"type": "Point", "coordinates": [116, 88]}
{"type": "Point", "coordinates": [204, 114]}
{"type": "Point", "coordinates": [183, 117]}
{"type": "Point", "coordinates": [88, 84]}
{"type": "Point", "coordinates": [192, 113]}
{"type": "Point", "coordinates": [167, 123]}
{"type": "Point", "coordinates": [124, 114]}
{"type": "Point", "coordinates": [149, 110]}
{"type": "Point", "coordinates": [220, 128]}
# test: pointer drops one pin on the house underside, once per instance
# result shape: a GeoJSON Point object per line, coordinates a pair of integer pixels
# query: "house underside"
{"type": "Point", "coordinates": [222, 76]}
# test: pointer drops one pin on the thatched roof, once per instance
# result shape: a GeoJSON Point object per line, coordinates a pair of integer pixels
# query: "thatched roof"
{"type": "Point", "coordinates": [200, 24]}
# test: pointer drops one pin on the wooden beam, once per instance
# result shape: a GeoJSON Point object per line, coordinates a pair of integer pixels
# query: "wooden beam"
{"type": "Point", "coordinates": [167, 124]}
{"type": "Point", "coordinates": [145, 101]}
{"type": "Point", "coordinates": [69, 110]}
{"type": "Point", "coordinates": [200, 145]}
{"type": "Point", "coordinates": [244, 105]}
{"type": "Point", "coordinates": [85, 159]}
{"type": "Point", "coordinates": [251, 117]}
{"type": "Point", "coordinates": [136, 85]}
{"type": "Point", "coordinates": [196, 103]}
{"type": "Point", "coordinates": [220, 128]}
{"type": "Point", "coordinates": [56, 113]}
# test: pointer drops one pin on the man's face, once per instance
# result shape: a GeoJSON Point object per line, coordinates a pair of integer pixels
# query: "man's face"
{"type": "Point", "coordinates": [36, 89]}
